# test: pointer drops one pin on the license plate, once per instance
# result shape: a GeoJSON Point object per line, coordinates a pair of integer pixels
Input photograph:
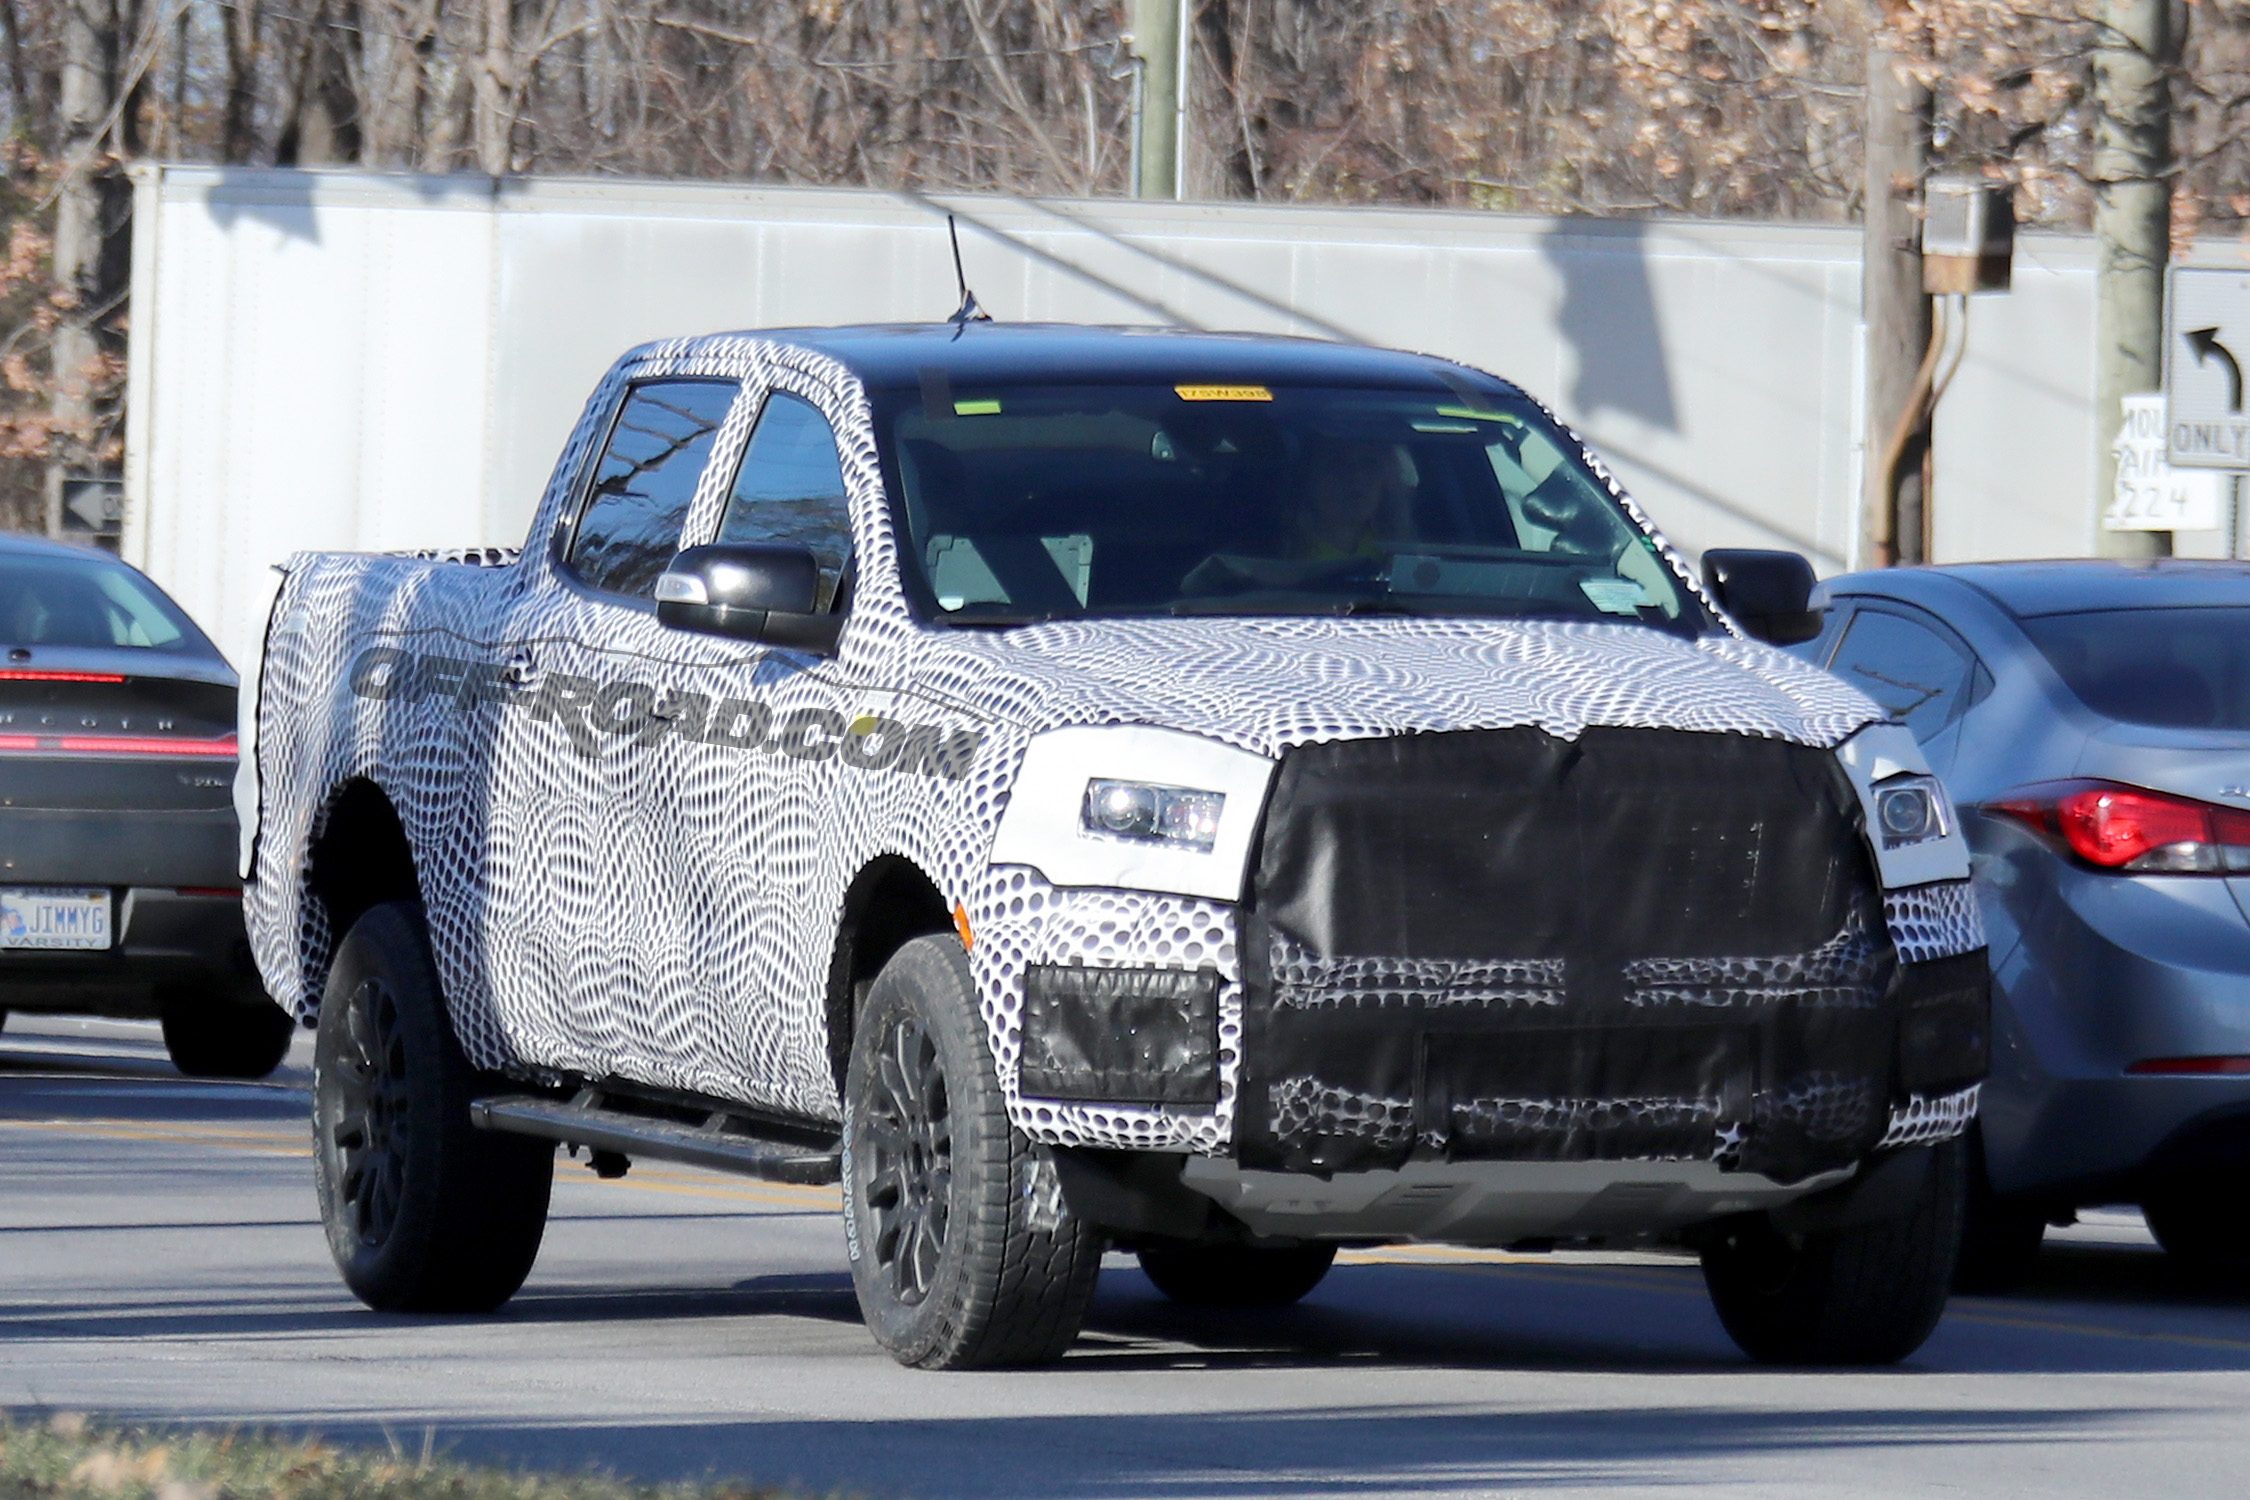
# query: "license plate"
{"type": "Point", "coordinates": [54, 919]}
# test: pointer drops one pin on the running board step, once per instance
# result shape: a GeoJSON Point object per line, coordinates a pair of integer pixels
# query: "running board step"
{"type": "Point", "coordinates": [724, 1142]}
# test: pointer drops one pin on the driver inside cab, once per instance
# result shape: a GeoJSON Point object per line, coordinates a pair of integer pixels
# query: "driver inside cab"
{"type": "Point", "coordinates": [1356, 495]}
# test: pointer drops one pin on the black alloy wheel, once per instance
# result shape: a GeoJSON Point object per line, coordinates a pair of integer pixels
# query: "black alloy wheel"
{"type": "Point", "coordinates": [371, 1125]}
{"type": "Point", "coordinates": [424, 1212]}
{"type": "Point", "coordinates": [964, 1252]}
{"type": "Point", "coordinates": [909, 1162]}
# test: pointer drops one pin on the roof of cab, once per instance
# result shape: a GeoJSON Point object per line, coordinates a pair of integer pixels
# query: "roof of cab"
{"type": "Point", "coordinates": [889, 356]}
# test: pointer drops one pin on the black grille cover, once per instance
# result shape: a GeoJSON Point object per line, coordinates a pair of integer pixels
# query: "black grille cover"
{"type": "Point", "coordinates": [1499, 944]}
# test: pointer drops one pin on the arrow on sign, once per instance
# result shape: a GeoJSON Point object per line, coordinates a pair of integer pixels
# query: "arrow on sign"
{"type": "Point", "coordinates": [2205, 342]}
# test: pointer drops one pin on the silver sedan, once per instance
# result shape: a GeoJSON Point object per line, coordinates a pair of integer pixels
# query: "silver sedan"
{"type": "Point", "coordinates": [2092, 720]}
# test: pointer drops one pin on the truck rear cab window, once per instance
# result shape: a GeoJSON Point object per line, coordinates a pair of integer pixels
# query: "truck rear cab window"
{"type": "Point", "coordinates": [629, 527]}
{"type": "Point", "coordinates": [790, 489]}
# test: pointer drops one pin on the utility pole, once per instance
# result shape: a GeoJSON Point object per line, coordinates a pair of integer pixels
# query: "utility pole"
{"type": "Point", "coordinates": [2134, 51]}
{"type": "Point", "coordinates": [88, 34]}
{"type": "Point", "coordinates": [1893, 307]}
{"type": "Point", "coordinates": [1160, 42]}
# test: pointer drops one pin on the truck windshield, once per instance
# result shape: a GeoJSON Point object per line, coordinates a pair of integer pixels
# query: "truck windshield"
{"type": "Point", "coordinates": [1023, 503]}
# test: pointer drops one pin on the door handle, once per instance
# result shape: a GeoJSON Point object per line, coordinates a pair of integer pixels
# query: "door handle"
{"type": "Point", "coordinates": [519, 671]}
{"type": "Point", "coordinates": [667, 705]}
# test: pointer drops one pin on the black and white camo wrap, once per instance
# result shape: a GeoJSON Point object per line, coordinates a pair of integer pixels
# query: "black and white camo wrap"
{"type": "Point", "coordinates": [668, 912]}
{"type": "Point", "coordinates": [1934, 921]}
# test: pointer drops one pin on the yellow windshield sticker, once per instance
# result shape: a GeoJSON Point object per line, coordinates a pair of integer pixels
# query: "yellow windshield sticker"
{"type": "Point", "coordinates": [987, 407]}
{"type": "Point", "coordinates": [1223, 393]}
{"type": "Point", "coordinates": [1471, 414]}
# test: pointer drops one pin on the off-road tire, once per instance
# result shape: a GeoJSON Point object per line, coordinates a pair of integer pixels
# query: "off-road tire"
{"type": "Point", "coordinates": [2000, 1239]}
{"type": "Point", "coordinates": [424, 1212]}
{"type": "Point", "coordinates": [221, 1037]}
{"type": "Point", "coordinates": [2204, 1231]}
{"type": "Point", "coordinates": [963, 1253]}
{"type": "Point", "coordinates": [1236, 1275]}
{"type": "Point", "coordinates": [1869, 1294]}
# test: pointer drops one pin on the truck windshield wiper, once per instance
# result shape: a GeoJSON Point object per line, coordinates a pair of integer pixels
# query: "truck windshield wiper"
{"type": "Point", "coordinates": [1000, 617]}
{"type": "Point", "coordinates": [1266, 604]}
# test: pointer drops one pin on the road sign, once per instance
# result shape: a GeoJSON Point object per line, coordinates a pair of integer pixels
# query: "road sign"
{"type": "Point", "coordinates": [93, 504]}
{"type": "Point", "coordinates": [2206, 344]}
{"type": "Point", "coordinates": [2151, 494]}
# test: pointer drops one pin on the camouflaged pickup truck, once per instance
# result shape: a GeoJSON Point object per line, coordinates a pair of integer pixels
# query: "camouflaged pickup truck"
{"type": "Point", "coordinates": [1222, 798]}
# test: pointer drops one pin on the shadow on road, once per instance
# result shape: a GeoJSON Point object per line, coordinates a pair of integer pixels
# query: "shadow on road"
{"type": "Point", "coordinates": [2106, 1308]}
{"type": "Point", "coordinates": [1323, 1451]}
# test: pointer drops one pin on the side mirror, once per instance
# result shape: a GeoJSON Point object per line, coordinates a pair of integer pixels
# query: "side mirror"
{"type": "Point", "coordinates": [1768, 593]}
{"type": "Point", "coordinates": [751, 591]}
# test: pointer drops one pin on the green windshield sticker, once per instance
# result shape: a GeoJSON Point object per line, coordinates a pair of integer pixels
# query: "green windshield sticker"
{"type": "Point", "coordinates": [1445, 427]}
{"type": "Point", "coordinates": [1471, 414]}
{"type": "Point", "coordinates": [987, 407]}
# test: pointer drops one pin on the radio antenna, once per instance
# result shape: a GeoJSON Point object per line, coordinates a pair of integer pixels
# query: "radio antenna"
{"type": "Point", "coordinates": [968, 312]}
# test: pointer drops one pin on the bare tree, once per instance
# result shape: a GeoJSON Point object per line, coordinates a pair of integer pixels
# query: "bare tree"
{"type": "Point", "coordinates": [1706, 107]}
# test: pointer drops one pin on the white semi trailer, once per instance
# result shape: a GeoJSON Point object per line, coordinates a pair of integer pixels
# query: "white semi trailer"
{"type": "Point", "coordinates": [342, 360]}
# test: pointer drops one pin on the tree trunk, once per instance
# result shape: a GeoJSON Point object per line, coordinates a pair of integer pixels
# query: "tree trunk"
{"type": "Point", "coordinates": [240, 25]}
{"type": "Point", "coordinates": [88, 40]}
{"type": "Point", "coordinates": [494, 117]}
{"type": "Point", "coordinates": [323, 125]}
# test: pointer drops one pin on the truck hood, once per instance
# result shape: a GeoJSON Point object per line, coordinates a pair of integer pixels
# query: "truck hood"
{"type": "Point", "coordinates": [1266, 684]}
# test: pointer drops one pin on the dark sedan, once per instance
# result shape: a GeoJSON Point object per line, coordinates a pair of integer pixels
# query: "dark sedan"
{"type": "Point", "coordinates": [2092, 720]}
{"type": "Point", "coordinates": [118, 891]}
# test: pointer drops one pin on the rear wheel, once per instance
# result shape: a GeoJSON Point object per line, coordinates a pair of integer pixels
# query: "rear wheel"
{"type": "Point", "coordinates": [220, 1037]}
{"type": "Point", "coordinates": [424, 1212]}
{"type": "Point", "coordinates": [1237, 1275]}
{"type": "Point", "coordinates": [1869, 1294]}
{"type": "Point", "coordinates": [2204, 1233]}
{"type": "Point", "coordinates": [963, 1253]}
{"type": "Point", "coordinates": [2000, 1239]}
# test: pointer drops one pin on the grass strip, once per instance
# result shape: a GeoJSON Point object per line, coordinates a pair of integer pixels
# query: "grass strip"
{"type": "Point", "coordinates": [69, 1457]}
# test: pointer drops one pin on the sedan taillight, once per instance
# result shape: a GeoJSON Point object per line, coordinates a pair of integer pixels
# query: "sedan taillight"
{"type": "Point", "coordinates": [161, 746]}
{"type": "Point", "coordinates": [2131, 829]}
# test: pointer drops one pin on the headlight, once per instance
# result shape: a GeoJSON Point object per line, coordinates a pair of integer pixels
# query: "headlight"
{"type": "Point", "coordinates": [1910, 810]}
{"type": "Point", "coordinates": [1176, 816]}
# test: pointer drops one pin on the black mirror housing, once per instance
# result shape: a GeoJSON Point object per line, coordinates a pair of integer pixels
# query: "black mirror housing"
{"type": "Point", "coordinates": [752, 591]}
{"type": "Point", "coordinates": [1768, 592]}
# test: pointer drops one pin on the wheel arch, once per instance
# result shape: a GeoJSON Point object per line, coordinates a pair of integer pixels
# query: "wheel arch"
{"type": "Point", "coordinates": [359, 857]}
{"type": "Point", "coordinates": [889, 903]}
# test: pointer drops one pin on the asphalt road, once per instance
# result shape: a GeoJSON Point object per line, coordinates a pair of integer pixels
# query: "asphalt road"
{"type": "Point", "coordinates": [160, 1259]}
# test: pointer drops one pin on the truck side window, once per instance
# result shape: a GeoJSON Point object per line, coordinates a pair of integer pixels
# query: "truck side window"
{"type": "Point", "coordinates": [1918, 675]}
{"type": "Point", "coordinates": [657, 449]}
{"type": "Point", "coordinates": [791, 489]}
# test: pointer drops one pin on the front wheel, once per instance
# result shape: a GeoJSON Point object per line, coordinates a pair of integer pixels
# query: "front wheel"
{"type": "Point", "coordinates": [1237, 1275]}
{"type": "Point", "coordinates": [424, 1212]}
{"type": "Point", "coordinates": [962, 1251]}
{"type": "Point", "coordinates": [1869, 1294]}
